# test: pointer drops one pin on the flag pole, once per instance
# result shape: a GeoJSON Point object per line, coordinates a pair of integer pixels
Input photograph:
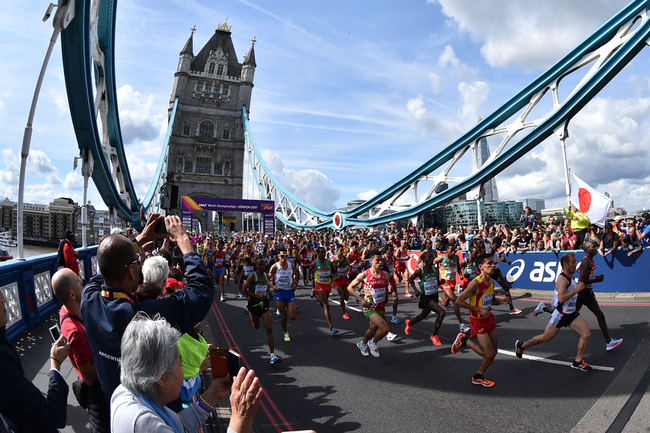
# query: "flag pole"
{"type": "Point", "coordinates": [563, 133]}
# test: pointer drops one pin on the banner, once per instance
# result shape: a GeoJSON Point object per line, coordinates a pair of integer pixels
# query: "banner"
{"type": "Point", "coordinates": [589, 201]}
{"type": "Point", "coordinates": [265, 207]}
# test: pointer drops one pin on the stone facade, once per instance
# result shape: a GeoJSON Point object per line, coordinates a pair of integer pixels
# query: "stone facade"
{"type": "Point", "coordinates": [42, 222]}
{"type": "Point", "coordinates": [206, 149]}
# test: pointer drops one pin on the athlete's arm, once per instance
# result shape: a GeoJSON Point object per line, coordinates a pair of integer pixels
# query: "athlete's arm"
{"type": "Point", "coordinates": [360, 279]}
{"type": "Point", "coordinates": [561, 285]}
{"type": "Point", "coordinates": [250, 280]}
{"type": "Point", "coordinates": [584, 273]}
{"type": "Point", "coordinates": [411, 280]}
{"type": "Point", "coordinates": [471, 289]}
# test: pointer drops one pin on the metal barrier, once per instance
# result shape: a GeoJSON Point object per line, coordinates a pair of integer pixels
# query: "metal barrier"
{"type": "Point", "coordinates": [27, 288]}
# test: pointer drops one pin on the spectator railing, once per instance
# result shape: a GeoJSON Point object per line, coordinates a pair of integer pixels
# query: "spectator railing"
{"type": "Point", "coordinates": [27, 288]}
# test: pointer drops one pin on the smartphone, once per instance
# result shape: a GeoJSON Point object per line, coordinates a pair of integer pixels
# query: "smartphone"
{"type": "Point", "coordinates": [55, 332]}
{"type": "Point", "coordinates": [161, 228]}
{"type": "Point", "coordinates": [224, 362]}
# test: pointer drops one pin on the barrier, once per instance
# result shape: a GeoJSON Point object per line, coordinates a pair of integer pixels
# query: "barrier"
{"type": "Point", "coordinates": [539, 270]}
{"type": "Point", "coordinates": [27, 288]}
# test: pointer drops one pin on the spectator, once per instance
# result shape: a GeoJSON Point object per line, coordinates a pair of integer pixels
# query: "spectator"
{"type": "Point", "coordinates": [155, 270]}
{"type": "Point", "coordinates": [644, 229]}
{"type": "Point", "coordinates": [579, 224]}
{"type": "Point", "coordinates": [150, 382]}
{"type": "Point", "coordinates": [528, 219]}
{"type": "Point", "coordinates": [108, 305]}
{"type": "Point", "coordinates": [569, 239]}
{"type": "Point", "coordinates": [67, 288]}
{"type": "Point", "coordinates": [593, 234]}
{"type": "Point", "coordinates": [523, 242]}
{"type": "Point", "coordinates": [608, 240]}
{"type": "Point", "coordinates": [21, 403]}
{"type": "Point", "coordinates": [68, 257]}
{"type": "Point", "coordinates": [629, 247]}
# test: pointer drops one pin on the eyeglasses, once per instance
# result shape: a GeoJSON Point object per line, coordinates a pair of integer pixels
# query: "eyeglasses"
{"type": "Point", "coordinates": [282, 255]}
{"type": "Point", "coordinates": [138, 260]}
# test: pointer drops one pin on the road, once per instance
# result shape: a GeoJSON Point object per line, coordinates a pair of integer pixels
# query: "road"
{"type": "Point", "coordinates": [324, 384]}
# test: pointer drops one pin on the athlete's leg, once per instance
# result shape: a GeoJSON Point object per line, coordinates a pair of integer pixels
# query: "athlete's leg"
{"type": "Point", "coordinates": [372, 330]}
{"type": "Point", "coordinates": [342, 296]}
{"type": "Point", "coordinates": [291, 310]}
{"type": "Point", "coordinates": [549, 332]}
{"type": "Point", "coordinates": [581, 326]}
{"type": "Point", "coordinates": [433, 306]}
{"type": "Point", "coordinates": [487, 348]}
{"type": "Point", "coordinates": [506, 288]}
{"type": "Point", "coordinates": [255, 321]}
{"type": "Point", "coordinates": [449, 293]}
{"type": "Point", "coordinates": [221, 283]}
{"type": "Point", "coordinates": [266, 318]}
{"type": "Point", "coordinates": [323, 300]}
{"type": "Point", "coordinates": [282, 308]}
{"type": "Point", "coordinates": [595, 308]}
{"type": "Point", "coordinates": [381, 327]}
{"type": "Point", "coordinates": [393, 293]}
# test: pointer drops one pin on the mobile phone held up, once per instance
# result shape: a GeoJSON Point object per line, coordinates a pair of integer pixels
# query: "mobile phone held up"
{"type": "Point", "coordinates": [224, 362]}
{"type": "Point", "coordinates": [161, 228]}
{"type": "Point", "coordinates": [56, 333]}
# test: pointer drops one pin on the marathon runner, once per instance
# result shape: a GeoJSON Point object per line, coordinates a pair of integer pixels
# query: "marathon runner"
{"type": "Point", "coordinates": [307, 256]}
{"type": "Point", "coordinates": [354, 261]}
{"type": "Point", "coordinates": [480, 294]}
{"type": "Point", "coordinates": [389, 261]}
{"type": "Point", "coordinates": [341, 279]}
{"type": "Point", "coordinates": [428, 293]}
{"type": "Point", "coordinates": [400, 266]}
{"type": "Point", "coordinates": [565, 314]}
{"type": "Point", "coordinates": [285, 275]}
{"type": "Point", "coordinates": [246, 266]}
{"type": "Point", "coordinates": [321, 271]}
{"type": "Point", "coordinates": [258, 303]}
{"type": "Point", "coordinates": [497, 257]}
{"type": "Point", "coordinates": [375, 285]}
{"type": "Point", "coordinates": [449, 265]}
{"type": "Point", "coordinates": [219, 270]}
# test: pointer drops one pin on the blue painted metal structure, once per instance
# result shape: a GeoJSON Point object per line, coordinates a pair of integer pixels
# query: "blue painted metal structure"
{"type": "Point", "coordinates": [23, 275]}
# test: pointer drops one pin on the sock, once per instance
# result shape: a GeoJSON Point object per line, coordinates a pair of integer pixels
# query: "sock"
{"type": "Point", "coordinates": [478, 375]}
{"type": "Point", "coordinates": [464, 340]}
{"type": "Point", "coordinates": [272, 354]}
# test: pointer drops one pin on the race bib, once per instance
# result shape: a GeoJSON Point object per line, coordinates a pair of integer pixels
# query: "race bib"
{"type": "Point", "coordinates": [391, 269]}
{"type": "Point", "coordinates": [219, 262]}
{"type": "Point", "coordinates": [261, 289]}
{"type": "Point", "coordinates": [450, 274]}
{"type": "Point", "coordinates": [378, 295]}
{"type": "Point", "coordinates": [308, 256]}
{"type": "Point", "coordinates": [430, 287]}
{"type": "Point", "coordinates": [324, 276]}
{"type": "Point", "coordinates": [342, 271]}
{"type": "Point", "coordinates": [248, 270]}
{"type": "Point", "coordinates": [471, 272]}
{"type": "Point", "coordinates": [355, 268]}
{"type": "Point", "coordinates": [487, 301]}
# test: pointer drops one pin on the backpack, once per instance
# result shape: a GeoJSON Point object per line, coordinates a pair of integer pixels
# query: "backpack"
{"type": "Point", "coordinates": [60, 259]}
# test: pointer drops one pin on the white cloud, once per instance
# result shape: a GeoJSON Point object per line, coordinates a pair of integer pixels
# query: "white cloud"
{"type": "Point", "coordinates": [513, 33]}
{"type": "Point", "coordinates": [459, 70]}
{"type": "Point", "coordinates": [367, 195]}
{"type": "Point", "coordinates": [436, 82]}
{"type": "Point", "coordinates": [39, 164]}
{"type": "Point", "coordinates": [41, 193]}
{"type": "Point", "coordinates": [137, 122]}
{"type": "Point", "coordinates": [73, 181]}
{"type": "Point", "coordinates": [141, 173]}
{"type": "Point", "coordinates": [61, 102]}
{"type": "Point", "coordinates": [473, 95]}
{"type": "Point", "coordinates": [311, 186]}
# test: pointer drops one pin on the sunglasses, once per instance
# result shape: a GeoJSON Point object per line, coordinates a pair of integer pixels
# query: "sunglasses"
{"type": "Point", "coordinates": [138, 260]}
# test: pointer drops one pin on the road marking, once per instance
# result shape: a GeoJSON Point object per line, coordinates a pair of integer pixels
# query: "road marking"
{"type": "Point", "coordinates": [347, 306]}
{"type": "Point", "coordinates": [552, 361]}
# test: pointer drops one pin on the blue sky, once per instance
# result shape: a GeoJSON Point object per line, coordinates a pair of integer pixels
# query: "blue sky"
{"type": "Point", "coordinates": [349, 97]}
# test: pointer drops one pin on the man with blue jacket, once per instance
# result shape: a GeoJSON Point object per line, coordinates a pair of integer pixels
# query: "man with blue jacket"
{"type": "Point", "coordinates": [108, 306]}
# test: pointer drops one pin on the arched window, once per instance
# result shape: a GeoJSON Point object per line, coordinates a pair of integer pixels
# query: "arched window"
{"type": "Point", "coordinates": [226, 134]}
{"type": "Point", "coordinates": [220, 70]}
{"type": "Point", "coordinates": [211, 68]}
{"type": "Point", "coordinates": [218, 169]}
{"type": "Point", "coordinates": [206, 129]}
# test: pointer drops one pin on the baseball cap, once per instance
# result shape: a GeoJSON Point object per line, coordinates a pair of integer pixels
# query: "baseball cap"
{"type": "Point", "coordinates": [608, 225]}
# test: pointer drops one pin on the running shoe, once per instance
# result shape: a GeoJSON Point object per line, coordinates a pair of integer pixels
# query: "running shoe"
{"type": "Point", "coordinates": [363, 348]}
{"type": "Point", "coordinates": [540, 309]}
{"type": "Point", "coordinates": [333, 331]}
{"type": "Point", "coordinates": [407, 330]}
{"type": "Point", "coordinates": [519, 351]}
{"type": "Point", "coordinates": [614, 343]}
{"type": "Point", "coordinates": [373, 349]}
{"type": "Point", "coordinates": [464, 328]}
{"type": "Point", "coordinates": [390, 336]}
{"type": "Point", "coordinates": [408, 294]}
{"type": "Point", "coordinates": [223, 299]}
{"type": "Point", "coordinates": [278, 313]}
{"type": "Point", "coordinates": [311, 295]}
{"type": "Point", "coordinates": [275, 358]}
{"type": "Point", "coordinates": [482, 381]}
{"type": "Point", "coordinates": [240, 295]}
{"type": "Point", "coordinates": [395, 320]}
{"type": "Point", "coordinates": [286, 337]}
{"type": "Point", "coordinates": [435, 340]}
{"type": "Point", "coordinates": [582, 365]}
{"type": "Point", "coordinates": [246, 309]}
{"type": "Point", "coordinates": [458, 343]}
{"type": "Point", "coordinates": [515, 311]}
{"type": "Point", "coordinates": [345, 316]}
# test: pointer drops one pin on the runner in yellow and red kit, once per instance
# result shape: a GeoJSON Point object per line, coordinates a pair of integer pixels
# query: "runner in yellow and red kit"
{"type": "Point", "coordinates": [449, 266]}
{"type": "Point", "coordinates": [341, 279]}
{"type": "Point", "coordinates": [321, 271]}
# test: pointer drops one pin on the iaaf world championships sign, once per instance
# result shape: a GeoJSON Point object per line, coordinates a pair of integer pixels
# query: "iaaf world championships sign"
{"type": "Point", "coordinates": [265, 207]}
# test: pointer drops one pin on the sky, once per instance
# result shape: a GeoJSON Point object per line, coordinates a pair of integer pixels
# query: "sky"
{"type": "Point", "coordinates": [349, 97]}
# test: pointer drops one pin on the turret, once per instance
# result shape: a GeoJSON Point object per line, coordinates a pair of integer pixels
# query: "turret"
{"type": "Point", "coordinates": [248, 68]}
{"type": "Point", "coordinates": [187, 55]}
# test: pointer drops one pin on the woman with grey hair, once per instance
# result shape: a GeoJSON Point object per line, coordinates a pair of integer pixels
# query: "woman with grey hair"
{"type": "Point", "coordinates": [151, 377]}
{"type": "Point", "coordinates": [155, 270]}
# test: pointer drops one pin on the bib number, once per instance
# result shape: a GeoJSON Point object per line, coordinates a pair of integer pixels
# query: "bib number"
{"type": "Point", "coordinates": [342, 271]}
{"type": "Point", "coordinates": [324, 277]}
{"type": "Point", "coordinates": [450, 274]}
{"type": "Point", "coordinates": [261, 289]}
{"type": "Point", "coordinates": [487, 301]}
{"type": "Point", "coordinates": [378, 295]}
{"type": "Point", "coordinates": [248, 270]}
{"type": "Point", "coordinates": [430, 287]}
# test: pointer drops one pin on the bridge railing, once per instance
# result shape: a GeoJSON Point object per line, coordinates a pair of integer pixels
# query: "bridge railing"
{"type": "Point", "coordinates": [27, 288]}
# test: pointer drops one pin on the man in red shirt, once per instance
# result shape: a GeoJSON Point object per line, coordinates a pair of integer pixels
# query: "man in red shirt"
{"type": "Point", "coordinates": [69, 253]}
{"type": "Point", "coordinates": [67, 288]}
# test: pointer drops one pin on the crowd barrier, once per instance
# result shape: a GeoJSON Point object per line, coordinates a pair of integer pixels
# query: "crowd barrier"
{"type": "Point", "coordinates": [539, 270]}
{"type": "Point", "coordinates": [27, 288]}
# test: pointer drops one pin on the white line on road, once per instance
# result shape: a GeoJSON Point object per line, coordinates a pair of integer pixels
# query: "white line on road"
{"type": "Point", "coordinates": [552, 361]}
{"type": "Point", "coordinates": [347, 305]}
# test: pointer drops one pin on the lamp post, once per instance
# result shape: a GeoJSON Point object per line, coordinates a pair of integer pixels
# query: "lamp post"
{"type": "Point", "coordinates": [64, 14]}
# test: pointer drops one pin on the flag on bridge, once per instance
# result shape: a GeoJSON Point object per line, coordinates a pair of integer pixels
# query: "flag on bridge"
{"type": "Point", "coordinates": [589, 201]}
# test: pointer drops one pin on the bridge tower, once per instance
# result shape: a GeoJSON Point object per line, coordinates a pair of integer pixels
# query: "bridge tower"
{"type": "Point", "coordinates": [206, 149]}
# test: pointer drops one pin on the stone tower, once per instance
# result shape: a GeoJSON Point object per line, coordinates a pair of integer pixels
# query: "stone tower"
{"type": "Point", "coordinates": [206, 149]}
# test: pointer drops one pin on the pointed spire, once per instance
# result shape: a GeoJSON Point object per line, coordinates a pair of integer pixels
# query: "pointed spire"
{"type": "Point", "coordinates": [189, 45]}
{"type": "Point", "coordinates": [249, 59]}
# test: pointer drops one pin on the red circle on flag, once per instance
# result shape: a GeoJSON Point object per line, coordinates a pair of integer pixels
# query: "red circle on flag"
{"type": "Point", "coordinates": [584, 197]}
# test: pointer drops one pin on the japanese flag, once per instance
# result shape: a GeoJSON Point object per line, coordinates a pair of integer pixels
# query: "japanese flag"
{"type": "Point", "coordinates": [589, 201]}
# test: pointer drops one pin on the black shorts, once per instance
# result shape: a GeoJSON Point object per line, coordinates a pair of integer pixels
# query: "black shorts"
{"type": "Point", "coordinates": [239, 270]}
{"type": "Point", "coordinates": [560, 320]}
{"type": "Point", "coordinates": [425, 299]}
{"type": "Point", "coordinates": [585, 297]}
{"type": "Point", "coordinates": [258, 307]}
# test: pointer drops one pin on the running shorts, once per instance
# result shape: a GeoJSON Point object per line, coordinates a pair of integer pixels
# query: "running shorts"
{"type": "Point", "coordinates": [560, 320]}
{"type": "Point", "coordinates": [464, 283]}
{"type": "Point", "coordinates": [342, 282]}
{"type": "Point", "coordinates": [585, 297]}
{"type": "Point", "coordinates": [392, 284]}
{"type": "Point", "coordinates": [371, 312]}
{"type": "Point", "coordinates": [400, 266]}
{"type": "Point", "coordinates": [257, 307]}
{"type": "Point", "coordinates": [218, 271]}
{"type": "Point", "coordinates": [425, 299]}
{"type": "Point", "coordinates": [322, 288]}
{"type": "Point", "coordinates": [449, 285]}
{"type": "Point", "coordinates": [482, 326]}
{"type": "Point", "coordinates": [286, 296]}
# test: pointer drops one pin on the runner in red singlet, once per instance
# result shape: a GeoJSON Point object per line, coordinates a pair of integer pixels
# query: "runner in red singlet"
{"type": "Point", "coordinates": [402, 255]}
{"type": "Point", "coordinates": [389, 260]}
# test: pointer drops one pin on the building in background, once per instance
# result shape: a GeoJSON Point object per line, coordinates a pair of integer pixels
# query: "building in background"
{"type": "Point", "coordinates": [491, 193]}
{"type": "Point", "coordinates": [536, 204]}
{"type": "Point", "coordinates": [465, 213]}
{"type": "Point", "coordinates": [43, 224]}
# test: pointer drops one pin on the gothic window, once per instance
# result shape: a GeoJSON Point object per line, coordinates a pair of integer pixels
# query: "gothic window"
{"type": "Point", "coordinates": [186, 130]}
{"type": "Point", "coordinates": [206, 129]}
{"type": "Point", "coordinates": [199, 87]}
{"type": "Point", "coordinates": [218, 169]}
{"type": "Point", "coordinates": [203, 165]}
{"type": "Point", "coordinates": [226, 134]}
{"type": "Point", "coordinates": [211, 69]}
{"type": "Point", "coordinates": [225, 90]}
{"type": "Point", "coordinates": [189, 166]}
{"type": "Point", "coordinates": [220, 70]}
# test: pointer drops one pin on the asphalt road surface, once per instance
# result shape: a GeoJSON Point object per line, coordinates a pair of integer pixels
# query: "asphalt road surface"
{"type": "Point", "coordinates": [323, 383]}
